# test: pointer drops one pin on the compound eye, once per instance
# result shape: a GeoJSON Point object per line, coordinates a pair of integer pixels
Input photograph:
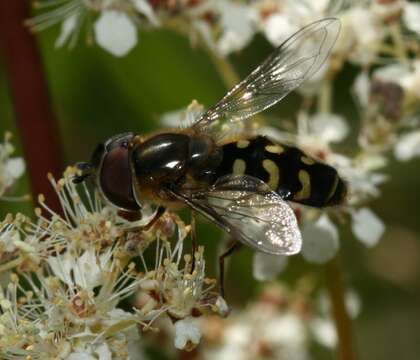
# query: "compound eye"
{"type": "Point", "coordinates": [116, 179]}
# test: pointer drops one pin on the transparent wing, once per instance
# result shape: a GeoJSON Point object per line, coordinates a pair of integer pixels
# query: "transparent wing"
{"type": "Point", "coordinates": [251, 212]}
{"type": "Point", "coordinates": [294, 61]}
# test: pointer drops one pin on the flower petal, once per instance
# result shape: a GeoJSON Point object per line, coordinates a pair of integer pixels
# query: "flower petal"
{"type": "Point", "coordinates": [367, 227]}
{"type": "Point", "coordinates": [115, 32]}
{"type": "Point", "coordinates": [187, 333]}
{"type": "Point", "coordinates": [361, 87]}
{"type": "Point", "coordinates": [329, 127]}
{"type": "Point", "coordinates": [103, 352]}
{"type": "Point", "coordinates": [15, 167]}
{"type": "Point", "coordinates": [324, 332]}
{"type": "Point", "coordinates": [236, 21]}
{"type": "Point", "coordinates": [278, 28]}
{"type": "Point", "coordinates": [144, 8]}
{"type": "Point", "coordinates": [408, 146]}
{"type": "Point", "coordinates": [320, 240]}
{"type": "Point", "coordinates": [266, 267]}
{"type": "Point", "coordinates": [411, 16]}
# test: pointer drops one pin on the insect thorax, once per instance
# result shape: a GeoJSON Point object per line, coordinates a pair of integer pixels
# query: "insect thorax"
{"type": "Point", "coordinates": [168, 158]}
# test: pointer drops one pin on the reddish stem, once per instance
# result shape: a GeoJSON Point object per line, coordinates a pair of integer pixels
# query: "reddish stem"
{"type": "Point", "coordinates": [30, 98]}
{"type": "Point", "coordinates": [335, 286]}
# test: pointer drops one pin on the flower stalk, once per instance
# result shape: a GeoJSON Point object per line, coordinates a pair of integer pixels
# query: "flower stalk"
{"type": "Point", "coordinates": [30, 96]}
{"type": "Point", "coordinates": [335, 286]}
{"type": "Point", "coordinates": [333, 272]}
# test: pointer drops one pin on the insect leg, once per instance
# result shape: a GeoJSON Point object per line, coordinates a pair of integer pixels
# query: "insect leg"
{"type": "Point", "coordinates": [160, 211]}
{"type": "Point", "coordinates": [235, 245]}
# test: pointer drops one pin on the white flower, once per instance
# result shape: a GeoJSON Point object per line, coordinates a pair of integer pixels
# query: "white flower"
{"type": "Point", "coordinates": [115, 32]}
{"type": "Point", "coordinates": [267, 267]}
{"type": "Point", "coordinates": [324, 332]}
{"type": "Point", "coordinates": [331, 128]}
{"type": "Point", "coordinates": [367, 227]}
{"type": "Point", "coordinates": [408, 146]}
{"type": "Point", "coordinates": [320, 240]}
{"type": "Point", "coordinates": [9, 238]}
{"type": "Point", "coordinates": [77, 269]}
{"type": "Point", "coordinates": [287, 330]}
{"type": "Point", "coordinates": [278, 27]}
{"type": "Point", "coordinates": [236, 23]}
{"type": "Point", "coordinates": [271, 325]}
{"type": "Point", "coordinates": [11, 168]}
{"type": "Point", "coordinates": [411, 16]}
{"type": "Point", "coordinates": [352, 302]}
{"type": "Point", "coordinates": [361, 175]}
{"type": "Point", "coordinates": [187, 333]}
{"type": "Point", "coordinates": [366, 33]}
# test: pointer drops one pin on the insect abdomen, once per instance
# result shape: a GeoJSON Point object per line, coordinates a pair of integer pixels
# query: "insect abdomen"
{"type": "Point", "coordinates": [287, 170]}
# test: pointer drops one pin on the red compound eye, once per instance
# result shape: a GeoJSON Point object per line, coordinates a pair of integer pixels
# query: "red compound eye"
{"type": "Point", "coordinates": [115, 178]}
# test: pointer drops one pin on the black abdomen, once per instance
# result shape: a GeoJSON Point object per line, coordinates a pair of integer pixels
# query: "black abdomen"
{"type": "Point", "coordinates": [289, 171]}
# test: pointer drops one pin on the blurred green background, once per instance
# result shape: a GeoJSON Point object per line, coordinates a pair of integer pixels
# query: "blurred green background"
{"type": "Point", "coordinates": [95, 95]}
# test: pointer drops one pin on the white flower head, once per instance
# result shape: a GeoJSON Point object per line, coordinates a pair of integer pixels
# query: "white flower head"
{"type": "Point", "coordinates": [277, 326]}
{"type": "Point", "coordinates": [9, 237]}
{"type": "Point", "coordinates": [115, 30]}
{"type": "Point", "coordinates": [78, 268]}
{"type": "Point", "coordinates": [366, 34]}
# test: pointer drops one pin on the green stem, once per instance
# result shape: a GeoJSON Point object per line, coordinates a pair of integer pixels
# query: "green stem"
{"type": "Point", "coordinates": [325, 97]}
{"type": "Point", "coordinates": [335, 286]}
{"type": "Point", "coordinates": [333, 273]}
{"type": "Point", "coordinates": [225, 69]}
{"type": "Point", "coordinates": [400, 50]}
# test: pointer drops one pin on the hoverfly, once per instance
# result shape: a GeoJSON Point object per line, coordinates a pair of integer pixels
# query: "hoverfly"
{"type": "Point", "coordinates": [241, 184]}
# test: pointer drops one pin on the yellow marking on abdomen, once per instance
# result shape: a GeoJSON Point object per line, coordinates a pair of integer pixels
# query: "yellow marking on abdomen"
{"type": "Point", "coordinates": [273, 173]}
{"type": "Point", "coordinates": [242, 144]}
{"type": "Point", "coordinates": [305, 181]}
{"type": "Point", "coordinates": [307, 160]}
{"type": "Point", "coordinates": [333, 188]}
{"type": "Point", "coordinates": [274, 149]}
{"type": "Point", "coordinates": [239, 167]}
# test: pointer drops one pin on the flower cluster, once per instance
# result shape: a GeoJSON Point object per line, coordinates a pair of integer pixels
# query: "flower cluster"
{"type": "Point", "coordinates": [228, 25]}
{"type": "Point", "coordinates": [64, 279]}
{"type": "Point", "coordinates": [11, 168]}
{"type": "Point", "coordinates": [278, 324]}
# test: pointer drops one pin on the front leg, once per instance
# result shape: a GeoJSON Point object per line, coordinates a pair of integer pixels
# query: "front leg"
{"type": "Point", "coordinates": [160, 211]}
{"type": "Point", "coordinates": [235, 245]}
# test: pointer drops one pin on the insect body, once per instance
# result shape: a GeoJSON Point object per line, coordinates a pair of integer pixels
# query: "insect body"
{"type": "Point", "coordinates": [241, 185]}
